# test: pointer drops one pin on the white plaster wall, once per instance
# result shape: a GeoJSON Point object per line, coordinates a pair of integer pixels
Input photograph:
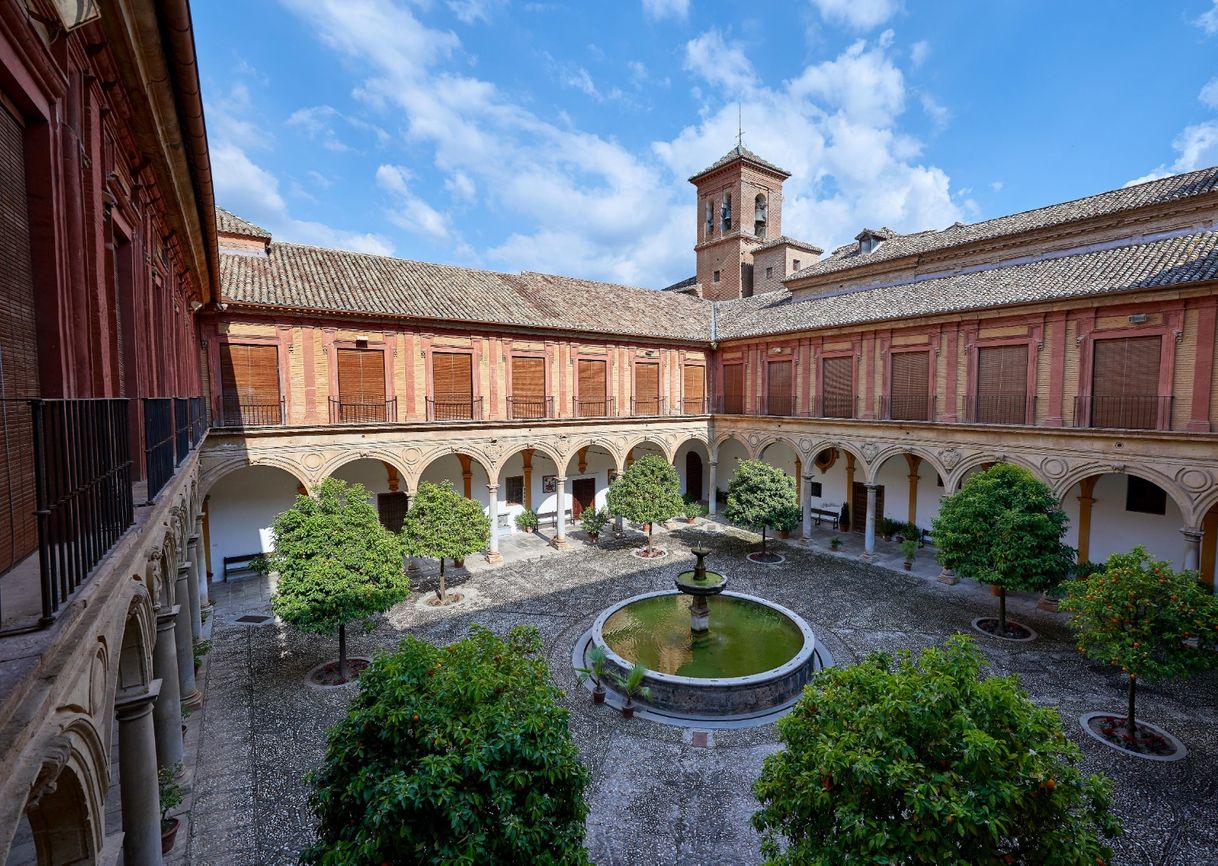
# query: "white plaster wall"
{"type": "Point", "coordinates": [1115, 530]}
{"type": "Point", "coordinates": [833, 485]}
{"type": "Point", "coordinates": [682, 453]}
{"type": "Point", "coordinates": [731, 453]}
{"type": "Point", "coordinates": [241, 508]}
{"type": "Point", "coordinates": [542, 465]}
{"type": "Point", "coordinates": [780, 456]}
{"type": "Point", "coordinates": [448, 468]}
{"type": "Point", "coordinates": [370, 473]}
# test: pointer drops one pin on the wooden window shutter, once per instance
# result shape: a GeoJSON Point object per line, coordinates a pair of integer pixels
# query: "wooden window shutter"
{"type": "Point", "coordinates": [249, 384]}
{"type": "Point", "coordinates": [837, 387]}
{"type": "Point", "coordinates": [1002, 385]}
{"type": "Point", "coordinates": [452, 375]}
{"type": "Point", "coordinates": [361, 376]}
{"type": "Point", "coordinates": [909, 392]}
{"type": "Point", "coordinates": [592, 389]}
{"type": "Point", "coordinates": [1125, 382]}
{"type": "Point", "coordinates": [528, 388]}
{"type": "Point", "coordinates": [695, 389]}
{"type": "Point", "coordinates": [18, 530]}
{"type": "Point", "coordinates": [733, 388]}
{"type": "Point", "coordinates": [647, 389]}
{"type": "Point", "coordinates": [778, 388]}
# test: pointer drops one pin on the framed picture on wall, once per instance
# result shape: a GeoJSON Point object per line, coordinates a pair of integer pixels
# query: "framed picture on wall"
{"type": "Point", "coordinates": [549, 483]}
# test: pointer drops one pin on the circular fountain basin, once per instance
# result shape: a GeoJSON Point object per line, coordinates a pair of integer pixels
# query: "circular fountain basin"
{"type": "Point", "coordinates": [688, 582]}
{"type": "Point", "coordinates": [757, 657]}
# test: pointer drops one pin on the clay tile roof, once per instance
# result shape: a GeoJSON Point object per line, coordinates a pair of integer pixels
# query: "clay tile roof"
{"type": "Point", "coordinates": [230, 223]}
{"type": "Point", "coordinates": [1158, 264]}
{"type": "Point", "coordinates": [739, 152]}
{"type": "Point", "coordinates": [792, 242]}
{"type": "Point", "coordinates": [1153, 192]}
{"type": "Point", "coordinates": [295, 276]}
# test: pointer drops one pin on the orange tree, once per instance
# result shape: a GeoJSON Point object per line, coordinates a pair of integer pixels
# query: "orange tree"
{"type": "Point", "coordinates": [1144, 617]}
{"type": "Point", "coordinates": [925, 761]}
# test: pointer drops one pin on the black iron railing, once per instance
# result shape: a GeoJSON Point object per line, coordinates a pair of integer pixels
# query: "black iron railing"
{"type": "Point", "coordinates": [82, 471]}
{"type": "Point", "coordinates": [347, 411]}
{"type": "Point", "coordinates": [198, 420]}
{"type": "Point", "coordinates": [525, 408]}
{"type": "Point", "coordinates": [777, 404]}
{"type": "Point", "coordinates": [461, 409]}
{"type": "Point", "coordinates": [648, 406]}
{"type": "Point", "coordinates": [159, 436]}
{"type": "Point", "coordinates": [1122, 412]}
{"type": "Point", "coordinates": [234, 413]}
{"type": "Point", "coordinates": [595, 407]}
{"type": "Point", "coordinates": [917, 407]}
{"type": "Point", "coordinates": [996, 409]}
{"type": "Point", "coordinates": [730, 404]}
{"type": "Point", "coordinates": [181, 428]}
{"type": "Point", "coordinates": [835, 406]}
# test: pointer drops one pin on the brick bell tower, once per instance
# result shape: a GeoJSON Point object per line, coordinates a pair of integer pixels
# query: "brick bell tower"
{"type": "Point", "coordinates": [739, 208]}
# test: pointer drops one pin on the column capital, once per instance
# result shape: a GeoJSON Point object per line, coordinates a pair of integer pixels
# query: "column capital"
{"type": "Point", "coordinates": [493, 488]}
{"type": "Point", "coordinates": [166, 617]}
{"type": "Point", "coordinates": [1192, 533]}
{"type": "Point", "coordinates": [194, 537]}
{"type": "Point", "coordinates": [184, 568]}
{"type": "Point", "coordinates": [130, 704]}
{"type": "Point", "coordinates": [560, 478]}
{"type": "Point", "coordinates": [871, 485]}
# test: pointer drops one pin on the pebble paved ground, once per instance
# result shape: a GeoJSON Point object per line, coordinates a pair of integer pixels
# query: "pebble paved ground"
{"type": "Point", "coordinates": [656, 797]}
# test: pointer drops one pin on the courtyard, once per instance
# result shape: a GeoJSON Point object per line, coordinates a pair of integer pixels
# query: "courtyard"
{"type": "Point", "coordinates": [662, 794]}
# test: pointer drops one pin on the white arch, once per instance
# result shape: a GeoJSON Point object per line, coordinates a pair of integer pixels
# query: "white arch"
{"type": "Point", "coordinates": [1084, 471]}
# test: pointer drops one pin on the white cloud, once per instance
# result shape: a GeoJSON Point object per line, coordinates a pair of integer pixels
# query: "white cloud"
{"type": "Point", "coordinates": [935, 110]}
{"type": "Point", "coordinates": [319, 122]}
{"type": "Point", "coordinates": [996, 185]}
{"type": "Point", "coordinates": [712, 58]}
{"type": "Point", "coordinates": [1209, 93]}
{"type": "Point", "coordinates": [858, 14]}
{"type": "Point", "coordinates": [471, 11]}
{"type": "Point", "coordinates": [1208, 20]}
{"type": "Point", "coordinates": [919, 52]}
{"type": "Point", "coordinates": [461, 186]}
{"type": "Point", "coordinates": [658, 9]}
{"type": "Point", "coordinates": [411, 212]}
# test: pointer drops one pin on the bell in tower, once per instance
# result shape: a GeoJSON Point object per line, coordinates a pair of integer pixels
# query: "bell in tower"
{"type": "Point", "coordinates": [759, 216]}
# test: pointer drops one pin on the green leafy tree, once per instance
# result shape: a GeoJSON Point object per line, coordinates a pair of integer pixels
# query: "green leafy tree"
{"type": "Point", "coordinates": [336, 563]}
{"type": "Point", "coordinates": [649, 491]}
{"type": "Point", "coordinates": [925, 761]}
{"type": "Point", "coordinates": [1004, 527]}
{"type": "Point", "coordinates": [1151, 621]}
{"type": "Point", "coordinates": [457, 754]}
{"type": "Point", "coordinates": [760, 495]}
{"type": "Point", "coordinates": [443, 524]}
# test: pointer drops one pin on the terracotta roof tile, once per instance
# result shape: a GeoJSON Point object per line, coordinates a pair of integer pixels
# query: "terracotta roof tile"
{"type": "Point", "coordinates": [739, 152]}
{"type": "Point", "coordinates": [230, 223]}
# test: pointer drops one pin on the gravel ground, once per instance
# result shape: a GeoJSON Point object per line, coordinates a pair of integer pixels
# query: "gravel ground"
{"type": "Point", "coordinates": [657, 798]}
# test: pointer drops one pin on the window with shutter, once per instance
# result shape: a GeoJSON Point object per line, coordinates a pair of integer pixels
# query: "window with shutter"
{"type": "Point", "coordinates": [1002, 385]}
{"type": "Point", "coordinates": [391, 508]}
{"type": "Point", "coordinates": [909, 391]}
{"type": "Point", "coordinates": [695, 389]}
{"type": "Point", "coordinates": [528, 398]}
{"type": "Point", "coordinates": [593, 382]}
{"type": "Point", "coordinates": [249, 385]}
{"type": "Point", "coordinates": [18, 354]}
{"type": "Point", "coordinates": [361, 386]}
{"type": "Point", "coordinates": [647, 389]}
{"type": "Point", "coordinates": [837, 387]}
{"type": "Point", "coordinates": [513, 490]}
{"type": "Point", "coordinates": [1144, 497]}
{"type": "Point", "coordinates": [778, 388]}
{"type": "Point", "coordinates": [1125, 383]}
{"type": "Point", "coordinates": [733, 389]}
{"type": "Point", "coordinates": [452, 377]}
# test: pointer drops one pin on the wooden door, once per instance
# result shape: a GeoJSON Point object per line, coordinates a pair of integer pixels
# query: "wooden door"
{"type": "Point", "coordinates": [452, 377]}
{"type": "Point", "coordinates": [528, 388]}
{"type": "Point", "coordinates": [593, 382]}
{"type": "Point", "coordinates": [583, 495]}
{"type": "Point", "coordinates": [249, 385]}
{"type": "Point", "coordinates": [858, 516]}
{"type": "Point", "coordinates": [647, 389]}
{"type": "Point", "coordinates": [693, 475]}
{"type": "Point", "coordinates": [778, 388]}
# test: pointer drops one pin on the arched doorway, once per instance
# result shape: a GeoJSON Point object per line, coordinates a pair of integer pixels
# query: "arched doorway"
{"type": "Point", "coordinates": [386, 489]}
{"type": "Point", "coordinates": [241, 508]}
{"type": "Point", "coordinates": [1113, 512]}
{"type": "Point", "coordinates": [693, 475]}
{"type": "Point", "coordinates": [60, 829]}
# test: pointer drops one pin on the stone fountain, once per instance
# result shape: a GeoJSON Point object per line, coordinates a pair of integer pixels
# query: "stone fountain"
{"type": "Point", "coordinates": [701, 585]}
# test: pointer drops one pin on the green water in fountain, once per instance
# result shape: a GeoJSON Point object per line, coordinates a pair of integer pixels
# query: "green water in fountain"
{"type": "Point", "coordinates": [745, 637]}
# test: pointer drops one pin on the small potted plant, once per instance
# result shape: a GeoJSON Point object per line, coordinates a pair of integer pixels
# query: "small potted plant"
{"type": "Point", "coordinates": [843, 518]}
{"type": "Point", "coordinates": [631, 685]}
{"type": "Point", "coordinates": [888, 528]}
{"type": "Point", "coordinates": [459, 562]}
{"type": "Point", "coordinates": [909, 547]}
{"type": "Point", "coordinates": [835, 543]}
{"type": "Point", "coordinates": [786, 520]}
{"type": "Point", "coordinates": [593, 520]}
{"type": "Point", "coordinates": [526, 521]}
{"type": "Point", "coordinates": [171, 798]}
{"type": "Point", "coordinates": [595, 671]}
{"type": "Point", "coordinates": [692, 511]}
{"type": "Point", "coordinates": [201, 648]}
{"type": "Point", "coordinates": [911, 530]}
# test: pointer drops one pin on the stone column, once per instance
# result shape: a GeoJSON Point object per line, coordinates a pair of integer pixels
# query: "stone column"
{"type": "Point", "coordinates": [138, 789]}
{"type": "Point", "coordinates": [1192, 548]}
{"type": "Point", "coordinates": [869, 527]}
{"type": "Point", "coordinates": [494, 555]}
{"type": "Point", "coordinates": [1086, 488]}
{"type": "Point", "coordinates": [192, 586]}
{"type": "Point", "coordinates": [560, 488]}
{"type": "Point", "coordinates": [167, 713]}
{"type": "Point", "coordinates": [199, 557]}
{"type": "Point", "coordinates": [185, 641]}
{"type": "Point", "coordinates": [805, 483]}
{"type": "Point", "coordinates": [712, 501]}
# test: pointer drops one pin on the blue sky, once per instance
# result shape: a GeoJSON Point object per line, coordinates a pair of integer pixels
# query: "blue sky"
{"type": "Point", "coordinates": [558, 135]}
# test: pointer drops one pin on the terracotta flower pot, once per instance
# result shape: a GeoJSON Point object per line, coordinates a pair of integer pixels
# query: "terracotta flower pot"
{"type": "Point", "coordinates": [459, 563]}
{"type": "Point", "coordinates": [690, 520]}
{"type": "Point", "coordinates": [908, 566]}
{"type": "Point", "coordinates": [598, 695]}
{"type": "Point", "coordinates": [169, 836]}
{"type": "Point", "coordinates": [782, 533]}
{"type": "Point", "coordinates": [646, 527]}
{"type": "Point", "coordinates": [995, 589]}
{"type": "Point", "coordinates": [628, 711]}
{"type": "Point", "coordinates": [594, 535]}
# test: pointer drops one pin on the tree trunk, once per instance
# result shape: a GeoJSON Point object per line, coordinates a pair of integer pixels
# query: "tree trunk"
{"type": "Point", "coordinates": [650, 527]}
{"type": "Point", "coordinates": [1131, 727]}
{"type": "Point", "coordinates": [1002, 611]}
{"type": "Point", "coordinates": [342, 651]}
{"type": "Point", "coordinates": [440, 590]}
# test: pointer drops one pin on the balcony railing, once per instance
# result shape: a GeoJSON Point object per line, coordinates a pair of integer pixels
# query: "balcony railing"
{"type": "Point", "coordinates": [996, 409]}
{"type": "Point", "coordinates": [835, 406]}
{"type": "Point", "coordinates": [782, 405]}
{"type": "Point", "coordinates": [234, 413]}
{"type": "Point", "coordinates": [528, 408]}
{"type": "Point", "coordinates": [595, 407]}
{"type": "Point", "coordinates": [648, 406]}
{"type": "Point", "coordinates": [159, 439]}
{"type": "Point", "coordinates": [694, 406]}
{"type": "Point", "coordinates": [198, 420]}
{"type": "Point", "coordinates": [82, 471]}
{"type": "Point", "coordinates": [906, 408]}
{"type": "Point", "coordinates": [1123, 413]}
{"type": "Point", "coordinates": [347, 411]}
{"type": "Point", "coordinates": [462, 409]}
{"type": "Point", "coordinates": [181, 428]}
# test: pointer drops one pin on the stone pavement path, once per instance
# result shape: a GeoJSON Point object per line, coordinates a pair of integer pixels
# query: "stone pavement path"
{"type": "Point", "coordinates": [656, 796]}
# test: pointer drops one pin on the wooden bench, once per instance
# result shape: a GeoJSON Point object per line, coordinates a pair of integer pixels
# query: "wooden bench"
{"type": "Point", "coordinates": [825, 514]}
{"type": "Point", "coordinates": [239, 566]}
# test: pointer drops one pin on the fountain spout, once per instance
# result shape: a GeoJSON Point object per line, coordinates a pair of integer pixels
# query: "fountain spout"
{"type": "Point", "coordinates": [701, 584]}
